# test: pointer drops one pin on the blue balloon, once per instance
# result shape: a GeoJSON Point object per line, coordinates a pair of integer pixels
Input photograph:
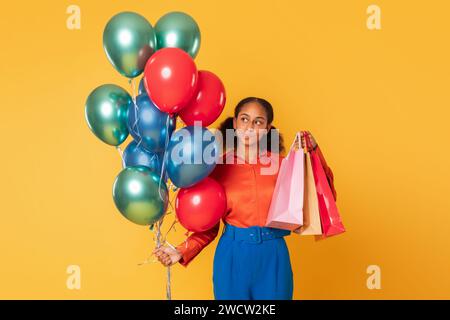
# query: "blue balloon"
{"type": "Point", "coordinates": [135, 155]}
{"type": "Point", "coordinates": [192, 155]}
{"type": "Point", "coordinates": [151, 124]}
{"type": "Point", "coordinates": [142, 87]}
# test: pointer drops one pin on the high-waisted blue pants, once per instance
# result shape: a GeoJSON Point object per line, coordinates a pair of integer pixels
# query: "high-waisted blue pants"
{"type": "Point", "coordinates": [252, 264]}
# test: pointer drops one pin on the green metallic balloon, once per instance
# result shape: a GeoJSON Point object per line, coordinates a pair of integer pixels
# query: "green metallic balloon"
{"type": "Point", "coordinates": [106, 113]}
{"type": "Point", "coordinates": [178, 30]}
{"type": "Point", "coordinates": [138, 195]}
{"type": "Point", "coordinates": [129, 40]}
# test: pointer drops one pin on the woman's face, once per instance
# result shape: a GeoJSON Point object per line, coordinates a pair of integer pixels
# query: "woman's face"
{"type": "Point", "coordinates": [251, 123]}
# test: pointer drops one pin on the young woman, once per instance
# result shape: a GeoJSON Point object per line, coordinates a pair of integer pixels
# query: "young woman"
{"type": "Point", "coordinates": [251, 261]}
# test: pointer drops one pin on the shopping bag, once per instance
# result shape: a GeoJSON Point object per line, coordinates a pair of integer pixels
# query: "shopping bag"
{"type": "Point", "coordinates": [311, 214]}
{"type": "Point", "coordinates": [329, 215]}
{"type": "Point", "coordinates": [286, 206]}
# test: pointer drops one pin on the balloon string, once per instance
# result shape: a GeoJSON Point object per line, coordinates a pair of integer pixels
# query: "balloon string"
{"type": "Point", "coordinates": [173, 188]}
{"type": "Point", "coordinates": [170, 204]}
{"type": "Point", "coordinates": [121, 156]}
{"type": "Point", "coordinates": [168, 291]}
{"type": "Point", "coordinates": [157, 240]}
{"type": "Point", "coordinates": [153, 157]}
{"type": "Point", "coordinates": [168, 284]}
{"type": "Point", "coordinates": [165, 156]}
{"type": "Point", "coordinates": [160, 240]}
{"type": "Point", "coordinates": [163, 240]}
{"type": "Point", "coordinates": [134, 127]}
{"type": "Point", "coordinates": [171, 227]}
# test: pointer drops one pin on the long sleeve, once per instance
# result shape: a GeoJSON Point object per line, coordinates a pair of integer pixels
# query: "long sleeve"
{"type": "Point", "coordinates": [328, 171]}
{"type": "Point", "coordinates": [195, 243]}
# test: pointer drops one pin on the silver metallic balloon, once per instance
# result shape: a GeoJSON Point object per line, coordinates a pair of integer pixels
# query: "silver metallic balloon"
{"type": "Point", "coordinates": [129, 41]}
{"type": "Point", "coordinates": [106, 113]}
{"type": "Point", "coordinates": [139, 196]}
{"type": "Point", "coordinates": [178, 30]}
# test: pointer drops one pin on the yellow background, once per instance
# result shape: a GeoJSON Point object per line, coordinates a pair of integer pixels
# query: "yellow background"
{"type": "Point", "coordinates": [376, 101]}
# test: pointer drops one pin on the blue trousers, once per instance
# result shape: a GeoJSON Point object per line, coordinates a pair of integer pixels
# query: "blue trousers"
{"type": "Point", "coordinates": [252, 264]}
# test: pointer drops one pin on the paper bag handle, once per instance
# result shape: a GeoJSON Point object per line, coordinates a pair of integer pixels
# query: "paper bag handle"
{"type": "Point", "coordinates": [297, 137]}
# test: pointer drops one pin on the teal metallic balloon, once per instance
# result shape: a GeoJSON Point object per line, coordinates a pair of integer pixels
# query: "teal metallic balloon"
{"type": "Point", "coordinates": [178, 30]}
{"type": "Point", "coordinates": [139, 196]}
{"type": "Point", "coordinates": [129, 40]}
{"type": "Point", "coordinates": [106, 113]}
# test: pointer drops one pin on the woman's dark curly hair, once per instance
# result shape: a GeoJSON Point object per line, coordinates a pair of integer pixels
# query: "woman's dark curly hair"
{"type": "Point", "coordinates": [228, 122]}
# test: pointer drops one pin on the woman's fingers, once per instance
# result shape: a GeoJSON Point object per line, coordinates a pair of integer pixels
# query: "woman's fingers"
{"type": "Point", "coordinates": [165, 260]}
{"type": "Point", "coordinates": [306, 136]}
{"type": "Point", "coordinates": [167, 255]}
{"type": "Point", "coordinates": [302, 138]}
{"type": "Point", "coordinates": [159, 254]}
{"type": "Point", "coordinates": [312, 141]}
{"type": "Point", "coordinates": [162, 256]}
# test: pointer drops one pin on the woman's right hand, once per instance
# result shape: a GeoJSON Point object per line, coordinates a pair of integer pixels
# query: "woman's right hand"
{"type": "Point", "coordinates": [167, 255]}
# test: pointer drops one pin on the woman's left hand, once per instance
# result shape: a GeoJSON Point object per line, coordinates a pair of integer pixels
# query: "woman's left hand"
{"type": "Point", "coordinates": [311, 138]}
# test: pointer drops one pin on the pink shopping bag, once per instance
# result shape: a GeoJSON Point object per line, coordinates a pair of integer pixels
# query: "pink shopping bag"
{"type": "Point", "coordinates": [329, 214]}
{"type": "Point", "coordinates": [286, 207]}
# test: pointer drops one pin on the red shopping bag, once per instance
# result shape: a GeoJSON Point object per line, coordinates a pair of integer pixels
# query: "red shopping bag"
{"type": "Point", "coordinates": [329, 214]}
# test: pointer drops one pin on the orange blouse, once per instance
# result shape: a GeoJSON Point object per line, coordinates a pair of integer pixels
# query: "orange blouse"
{"type": "Point", "coordinates": [249, 192]}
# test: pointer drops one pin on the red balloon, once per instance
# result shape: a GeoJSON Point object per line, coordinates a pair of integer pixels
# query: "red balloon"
{"type": "Point", "coordinates": [208, 101]}
{"type": "Point", "coordinates": [170, 78]}
{"type": "Point", "coordinates": [201, 206]}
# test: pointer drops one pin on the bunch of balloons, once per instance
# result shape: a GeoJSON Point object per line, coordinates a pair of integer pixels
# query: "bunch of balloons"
{"type": "Point", "coordinates": [171, 88]}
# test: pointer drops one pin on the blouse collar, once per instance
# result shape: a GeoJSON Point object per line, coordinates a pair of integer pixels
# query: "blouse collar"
{"type": "Point", "coordinates": [232, 154]}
